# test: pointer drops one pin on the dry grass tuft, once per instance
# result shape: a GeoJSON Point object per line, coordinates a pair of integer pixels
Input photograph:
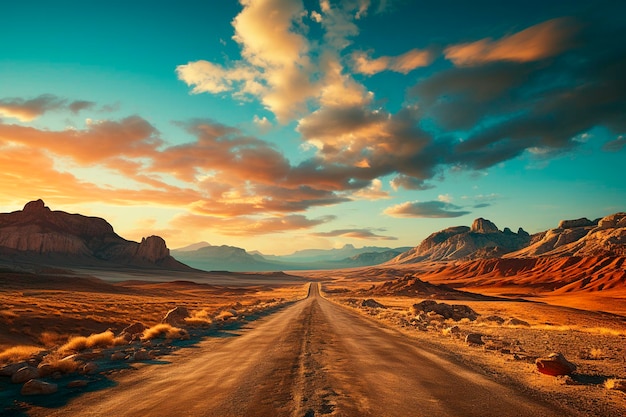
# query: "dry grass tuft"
{"type": "Point", "coordinates": [164, 331]}
{"type": "Point", "coordinates": [616, 384]}
{"type": "Point", "coordinates": [199, 318]}
{"type": "Point", "coordinates": [104, 339]}
{"type": "Point", "coordinates": [18, 353]}
{"type": "Point", "coordinates": [59, 364]}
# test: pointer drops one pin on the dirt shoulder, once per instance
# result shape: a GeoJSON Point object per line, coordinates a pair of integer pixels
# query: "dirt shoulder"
{"type": "Point", "coordinates": [594, 342]}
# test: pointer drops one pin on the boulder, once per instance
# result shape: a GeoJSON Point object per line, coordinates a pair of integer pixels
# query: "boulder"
{"type": "Point", "coordinates": [118, 356]}
{"type": "Point", "coordinates": [448, 311]}
{"type": "Point", "coordinates": [370, 302]}
{"type": "Point", "coordinates": [474, 339]}
{"type": "Point", "coordinates": [555, 364]}
{"type": "Point", "coordinates": [24, 374]}
{"type": "Point", "coordinates": [133, 331]}
{"type": "Point", "coordinates": [516, 322]}
{"type": "Point", "coordinates": [10, 369]}
{"type": "Point", "coordinates": [176, 316]}
{"type": "Point", "coordinates": [494, 319]}
{"type": "Point", "coordinates": [89, 368]}
{"type": "Point", "coordinates": [37, 387]}
{"type": "Point", "coordinates": [142, 355]}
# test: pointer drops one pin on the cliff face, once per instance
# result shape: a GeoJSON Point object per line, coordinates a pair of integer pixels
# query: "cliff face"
{"type": "Point", "coordinates": [482, 240]}
{"type": "Point", "coordinates": [580, 237]}
{"type": "Point", "coordinates": [38, 231]}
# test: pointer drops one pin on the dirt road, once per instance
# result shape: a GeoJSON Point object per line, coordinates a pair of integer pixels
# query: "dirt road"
{"type": "Point", "coordinates": [313, 358]}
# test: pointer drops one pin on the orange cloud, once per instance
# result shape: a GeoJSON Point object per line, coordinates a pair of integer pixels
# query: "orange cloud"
{"type": "Point", "coordinates": [405, 63]}
{"type": "Point", "coordinates": [538, 42]}
{"type": "Point", "coordinates": [428, 209]}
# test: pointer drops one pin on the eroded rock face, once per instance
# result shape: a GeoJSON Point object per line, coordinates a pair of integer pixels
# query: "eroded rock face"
{"type": "Point", "coordinates": [482, 240]}
{"type": "Point", "coordinates": [481, 225]}
{"type": "Point", "coordinates": [38, 231]}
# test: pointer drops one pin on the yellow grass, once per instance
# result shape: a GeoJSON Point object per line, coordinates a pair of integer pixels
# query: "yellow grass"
{"type": "Point", "coordinates": [224, 315]}
{"type": "Point", "coordinates": [164, 331]}
{"type": "Point", "coordinates": [64, 365]}
{"type": "Point", "coordinates": [104, 339]}
{"type": "Point", "coordinates": [18, 353]}
{"type": "Point", "coordinates": [199, 318]}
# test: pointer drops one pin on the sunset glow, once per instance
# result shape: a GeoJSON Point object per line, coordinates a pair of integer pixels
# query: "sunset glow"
{"type": "Point", "coordinates": [279, 125]}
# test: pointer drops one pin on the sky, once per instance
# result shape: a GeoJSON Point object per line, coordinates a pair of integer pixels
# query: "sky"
{"type": "Point", "coordinates": [280, 125]}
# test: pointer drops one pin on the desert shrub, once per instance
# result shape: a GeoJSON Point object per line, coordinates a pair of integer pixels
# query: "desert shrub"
{"type": "Point", "coordinates": [18, 353]}
{"type": "Point", "coordinates": [59, 364]}
{"type": "Point", "coordinates": [199, 318]}
{"type": "Point", "coordinates": [50, 339]}
{"type": "Point", "coordinates": [104, 339]}
{"type": "Point", "coordinates": [164, 331]}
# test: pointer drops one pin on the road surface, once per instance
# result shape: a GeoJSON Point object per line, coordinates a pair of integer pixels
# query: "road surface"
{"type": "Point", "coordinates": [314, 358]}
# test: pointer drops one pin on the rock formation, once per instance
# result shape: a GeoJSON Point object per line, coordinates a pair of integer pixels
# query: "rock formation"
{"type": "Point", "coordinates": [482, 240]}
{"type": "Point", "coordinates": [37, 233]}
{"type": "Point", "coordinates": [580, 237]}
{"type": "Point", "coordinates": [555, 364]}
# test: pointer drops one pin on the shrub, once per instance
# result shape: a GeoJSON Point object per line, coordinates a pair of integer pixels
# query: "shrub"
{"type": "Point", "coordinates": [199, 318]}
{"type": "Point", "coordinates": [164, 331]}
{"type": "Point", "coordinates": [104, 339]}
{"type": "Point", "coordinates": [18, 353]}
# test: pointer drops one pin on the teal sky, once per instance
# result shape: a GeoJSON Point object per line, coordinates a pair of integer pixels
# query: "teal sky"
{"type": "Point", "coordinates": [280, 125]}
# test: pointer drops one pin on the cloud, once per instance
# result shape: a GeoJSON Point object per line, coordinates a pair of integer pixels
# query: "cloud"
{"type": "Point", "coordinates": [262, 124]}
{"type": "Point", "coordinates": [538, 42]}
{"type": "Point", "coordinates": [446, 198]}
{"type": "Point", "coordinates": [405, 63]}
{"type": "Point", "coordinates": [373, 192]}
{"type": "Point", "coordinates": [28, 110]}
{"type": "Point", "coordinates": [409, 183]}
{"type": "Point", "coordinates": [366, 234]}
{"type": "Point", "coordinates": [428, 209]}
{"type": "Point", "coordinates": [615, 145]}
{"type": "Point", "coordinates": [246, 226]}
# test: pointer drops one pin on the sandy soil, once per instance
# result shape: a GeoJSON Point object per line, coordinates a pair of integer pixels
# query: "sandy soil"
{"type": "Point", "coordinates": [595, 342]}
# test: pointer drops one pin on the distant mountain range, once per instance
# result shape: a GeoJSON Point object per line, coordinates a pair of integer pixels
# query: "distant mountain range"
{"type": "Point", "coordinates": [202, 255]}
{"type": "Point", "coordinates": [38, 235]}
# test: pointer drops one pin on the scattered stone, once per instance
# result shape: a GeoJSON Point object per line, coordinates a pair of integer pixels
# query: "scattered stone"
{"type": "Point", "coordinates": [555, 364]}
{"type": "Point", "coordinates": [24, 374]}
{"type": "Point", "coordinates": [45, 369]}
{"type": "Point", "coordinates": [89, 368]}
{"type": "Point", "coordinates": [78, 383]}
{"type": "Point", "coordinates": [10, 369]}
{"type": "Point", "coordinates": [516, 322]}
{"type": "Point", "coordinates": [616, 384]}
{"type": "Point", "coordinates": [133, 331]}
{"type": "Point", "coordinates": [474, 339]}
{"type": "Point", "coordinates": [448, 311]}
{"type": "Point", "coordinates": [118, 356]}
{"type": "Point", "coordinates": [495, 319]}
{"type": "Point", "coordinates": [370, 302]}
{"type": "Point", "coordinates": [37, 387]}
{"type": "Point", "coordinates": [141, 355]}
{"type": "Point", "coordinates": [176, 316]}
{"type": "Point", "coordinates": [454, 330]}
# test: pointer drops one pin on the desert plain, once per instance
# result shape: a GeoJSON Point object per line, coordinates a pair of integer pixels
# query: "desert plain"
{"type": "Point", "coordinates": [273, 344]}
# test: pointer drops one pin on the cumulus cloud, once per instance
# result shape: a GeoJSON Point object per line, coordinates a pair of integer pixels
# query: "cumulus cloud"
{"type": "Point", "coordinates": [26, 110]}
{"type": "Point", "coordinates": [262, 123]}
{"type": "Point", "coordinates": [367, 234]}
{"type": "Point", "coordinates": [538, 42]}
{"type": "Point", "coordinates": [429, 209]}
{"type": "Point", "coordinates": [373, 192]}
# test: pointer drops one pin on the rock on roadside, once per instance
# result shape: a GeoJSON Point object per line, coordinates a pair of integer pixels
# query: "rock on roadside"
{"type": "Point", "coordinates": [37, 387]}
{"type": "Point", "coordinates": [554, 365]}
